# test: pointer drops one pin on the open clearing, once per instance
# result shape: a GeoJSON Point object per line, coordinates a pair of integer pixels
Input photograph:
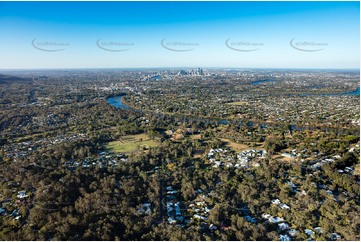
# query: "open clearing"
{"type": "Point", "coordinates": [237, 103]}
{"type": "Point", "coordinates": [131, 143]}
{"type": "Point", "coordinates": [235, 146]}
{"type": "Point", "coordinates": [195, 136]}
{"type": "Point", "coordinates": [282, 158]}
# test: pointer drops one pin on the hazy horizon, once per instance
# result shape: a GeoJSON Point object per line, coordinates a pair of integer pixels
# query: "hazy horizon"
{"type": "Point", "coordinates": [180, 68]}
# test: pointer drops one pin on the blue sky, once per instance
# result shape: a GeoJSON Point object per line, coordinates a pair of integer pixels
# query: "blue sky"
{"type": "Point", "coordinates": [194, 34]}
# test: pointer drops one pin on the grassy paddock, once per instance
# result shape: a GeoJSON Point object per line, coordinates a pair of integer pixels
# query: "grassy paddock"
{"type": "Point", "coordinates": [237, 103]}
{"type": "Point", "coordinates": [131, 143]}
{"type": "Point", "coordinates": [235, 146]}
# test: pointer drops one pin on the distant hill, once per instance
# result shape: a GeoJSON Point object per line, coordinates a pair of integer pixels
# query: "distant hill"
{"type": "Point", "coordinates": [7, 79]}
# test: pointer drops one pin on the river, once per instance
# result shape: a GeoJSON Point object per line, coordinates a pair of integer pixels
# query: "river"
{"type": "Point", "coordinates": [118, 103]}
{"type": "Point", "coordinates": [262, 81]}
{"type": "Point", "coordinates": [353, 93]}
{"type": "Point", "coordinates": [117, 100]}
{"type": "Point", "coordinates": [356, 92]}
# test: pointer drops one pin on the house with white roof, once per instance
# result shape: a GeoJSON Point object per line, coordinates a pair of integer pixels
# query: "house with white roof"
{"type": "Point", "coordinates": [22, 194]}
{"type": "Point", "coordinates": [335, 236]}
{"type": "Point", "coordinates": [283, 226]}
{"type": "Point", "coordinates": [284, 237]}
{"type": "Point", "coordinates": [284, 206]}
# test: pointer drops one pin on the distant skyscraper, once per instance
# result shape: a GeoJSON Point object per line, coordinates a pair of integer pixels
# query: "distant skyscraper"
{"type": "Point", "coordinates": [182, 72]}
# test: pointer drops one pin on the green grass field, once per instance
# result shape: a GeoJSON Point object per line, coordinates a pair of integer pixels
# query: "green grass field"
{"type": "Point", "coordinates": [131, 143]}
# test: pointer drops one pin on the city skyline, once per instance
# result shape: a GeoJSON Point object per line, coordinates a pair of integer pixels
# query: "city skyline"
{"type": "Point", "coordinates": [125, 35]}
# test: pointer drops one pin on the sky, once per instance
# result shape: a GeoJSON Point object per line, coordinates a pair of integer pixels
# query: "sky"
{"type": "Point", "coordinates": [179, 34]}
